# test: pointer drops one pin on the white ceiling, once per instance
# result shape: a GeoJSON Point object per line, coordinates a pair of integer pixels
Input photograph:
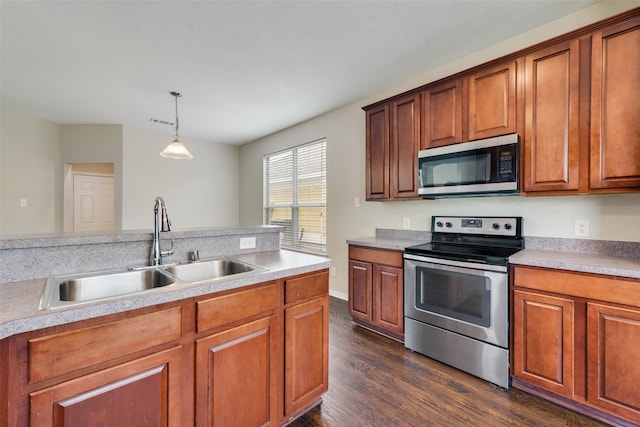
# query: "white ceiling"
{"type": "Point", "coordinates": [245, 69]}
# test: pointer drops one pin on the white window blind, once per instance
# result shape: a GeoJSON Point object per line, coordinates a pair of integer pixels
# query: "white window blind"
{"type": "Point", "coordinates": [295, 195]}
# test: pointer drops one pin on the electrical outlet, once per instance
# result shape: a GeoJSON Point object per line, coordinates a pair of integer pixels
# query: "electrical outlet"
{"type": "Point", "coordinates": [581, 228]}
{"type": "Point", "coordinates": [23, 203]}
{"type": "Point", "coordinates": [406, 223]}
{"type": "Point", "coordinates": [356, 202]}
{"type": "Point", "coordinates": [333, 271]}
{"type": "Point", "coordinates": [247, 242]}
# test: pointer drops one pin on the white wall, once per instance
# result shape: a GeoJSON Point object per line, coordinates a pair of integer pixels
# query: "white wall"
{"type": "Point", "coordinates": [29, 165]}
{"type": "Point", "coordinates": [612, 217]}
{"type": "Point", "coordinates": [201, 192]}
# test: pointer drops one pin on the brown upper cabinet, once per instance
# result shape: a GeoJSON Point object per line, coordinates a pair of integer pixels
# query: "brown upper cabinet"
{"type": "Point", "coordinates": [377, 167]}
{"type": "Point", "coordinates": [615, 107]}
{"type": "Point", "coordinates": [480, 105]}
{"type": "Point", "coordinates": [573, 101]}
{"type": "Point", "coordinates": [393, 141]}
{"type": "Point", "coordinates": [405, 144]}
{"type": "Point", "coordinates": [492, 101]}
{"type": "Point", "coordinates": [442, 114]}
{"type": "Point", "coordinates": [551, 133]}
{"type": "Point", "coordinates": [582, 119]}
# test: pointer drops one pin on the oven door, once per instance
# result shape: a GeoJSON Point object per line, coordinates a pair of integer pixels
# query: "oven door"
{"type": "Point", "coordinates": [467, 298]}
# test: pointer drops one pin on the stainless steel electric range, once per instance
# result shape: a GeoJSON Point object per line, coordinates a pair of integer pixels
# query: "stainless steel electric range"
{"type": "Point", "coordinates": [456, 299]}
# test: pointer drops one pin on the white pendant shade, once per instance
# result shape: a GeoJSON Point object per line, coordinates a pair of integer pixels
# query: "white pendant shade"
{"type": "Point", "coordinates": [176, 150]}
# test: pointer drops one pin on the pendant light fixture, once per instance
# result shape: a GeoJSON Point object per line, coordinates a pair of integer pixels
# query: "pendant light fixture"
{"type": "Point", "coordinates": [175, 150]}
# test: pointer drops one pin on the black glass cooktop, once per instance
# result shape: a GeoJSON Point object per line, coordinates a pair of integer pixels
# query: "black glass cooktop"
{"type": "Point", "coordinates": [459, 252]}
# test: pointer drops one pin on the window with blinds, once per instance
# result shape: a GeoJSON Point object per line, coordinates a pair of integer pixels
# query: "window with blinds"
{"type": "Point", "coordinates": [295, 195]}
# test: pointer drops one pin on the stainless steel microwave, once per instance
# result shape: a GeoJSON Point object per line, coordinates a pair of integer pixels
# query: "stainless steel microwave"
{"type": "Point", "coordinates": [483, 167]}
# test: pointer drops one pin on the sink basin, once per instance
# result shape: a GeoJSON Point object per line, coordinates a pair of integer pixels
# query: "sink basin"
{"type": "Point", "coordinates": [62, 290]}
{"type": "Point", "coordinates": [69, 291]}
{"type": "Point", "coordinates": [203, 270]}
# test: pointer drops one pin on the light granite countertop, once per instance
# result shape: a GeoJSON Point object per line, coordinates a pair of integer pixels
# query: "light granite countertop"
{"type": "Point", "coordinates": [396, 240]}
{"type": "Point", "coordinates": [582, 255]}
{"type": "Point", "coordinates": [581, 262]}
{"type": "Point", "coordinates": [19, 301]}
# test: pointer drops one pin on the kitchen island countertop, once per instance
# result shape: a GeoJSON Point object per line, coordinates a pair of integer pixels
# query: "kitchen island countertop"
{"type": "Point", "coordinates": [19, 301]}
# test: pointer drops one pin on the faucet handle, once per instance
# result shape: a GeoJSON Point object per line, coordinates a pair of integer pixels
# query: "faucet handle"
{"type": "Point", "coordinates": [169, 251]}
{"type": "Point", "coordinates": [194, 256]}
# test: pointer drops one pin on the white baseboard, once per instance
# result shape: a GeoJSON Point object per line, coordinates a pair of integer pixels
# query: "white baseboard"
{"type": "Point", "coordinates": [339, 294]}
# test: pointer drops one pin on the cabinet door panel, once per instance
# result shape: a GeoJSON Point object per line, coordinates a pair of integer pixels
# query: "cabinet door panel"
{"type": "Point", "coordinates": [145, 391]}
{"type": "Point", "coordinates": [544, 341]}
{"type": "Point", "coordinates": [551, 137]}
{"type": "Point", "coordinates": [232, 369]}
{"type": "Point", "coordinates": [377, 162]}
{"type": "Point", "coordinates": [615, 110]}
{"type": "Point", "coordinates": [388, 310]}
{"type": "Point", "coordinates": [307, 353]}
{"type": "Point", "coordinates": [442, 117]}
{"type": "Point", "coordinates": [492, 101]}
{"type": "Point", "coordinates": [360, 292]}
{"type": "Point", "coordinates": [614, 372]}
{"type": "Point", "coordinates": [405, 144]}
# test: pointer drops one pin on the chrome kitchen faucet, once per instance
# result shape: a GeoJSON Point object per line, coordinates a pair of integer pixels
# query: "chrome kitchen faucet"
{"type": "Point", "coordinates": [162, 223]}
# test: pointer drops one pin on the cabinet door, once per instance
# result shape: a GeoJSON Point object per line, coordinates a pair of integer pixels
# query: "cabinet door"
{"type": "Point", "coordinates": [377, 162]}
{"type": "Point", "coordinates": [442, 114]}
{"type": "Point", "coordinates": [388, 312]}
{"type": "Point", "coordinates": [360, 289]}
{"type": "Point", "coordinates": [551, 136]}
{"type": "Point", "coordinates": [492, 101]}
{"type": "Point", "coordinates": [236, 372]}
{"type": "Point", "coordinates": [615, 109]}
{"type": "Point", "coordinates": [142, 392]}
{"type": "Point", "coordinates": [613, 340]}
{"type": "Point", "coordinates": [543, 352]}
{"type": "Point", "coordinates": [405, 144]}
{"type": "Point", "coordinates": [306, 354]}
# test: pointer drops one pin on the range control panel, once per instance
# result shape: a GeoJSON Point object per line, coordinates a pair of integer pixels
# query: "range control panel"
{"type": "Point", "coordinates": [496, 226]}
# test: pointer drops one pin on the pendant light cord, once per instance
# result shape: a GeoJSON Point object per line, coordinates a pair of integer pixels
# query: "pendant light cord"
{"type": "Point", "coordinates": [176, 95]}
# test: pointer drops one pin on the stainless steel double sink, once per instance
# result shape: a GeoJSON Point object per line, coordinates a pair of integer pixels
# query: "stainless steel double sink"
{"type": "Point", "coordinates": [67, 291]}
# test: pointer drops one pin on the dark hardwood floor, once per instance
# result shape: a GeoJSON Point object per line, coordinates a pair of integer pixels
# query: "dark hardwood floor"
{"type": "Point", "coordinates": [375, 381]}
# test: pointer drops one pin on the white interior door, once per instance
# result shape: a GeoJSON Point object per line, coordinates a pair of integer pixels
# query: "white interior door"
{"type": "Point", "coordinates": [93, 203]}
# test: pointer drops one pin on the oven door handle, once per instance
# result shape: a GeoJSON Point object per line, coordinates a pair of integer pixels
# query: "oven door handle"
{"type": "Point", "coordinates": [475, 265]}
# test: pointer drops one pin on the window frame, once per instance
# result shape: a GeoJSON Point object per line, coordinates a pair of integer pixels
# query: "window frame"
{"type": "Point", "coordinates": [288, 240]}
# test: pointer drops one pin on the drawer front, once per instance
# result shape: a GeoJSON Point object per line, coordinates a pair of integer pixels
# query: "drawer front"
{"type": "Point", "coordinates": [594, 287]}
{"type": "Point", "coordinates": [376, 256]}
{"type": "Point", "coordinates": [305, 287]}
{"type": "Point", "coordinates": [225, 309]}
{"type": "Point", "coordinates": [66, 352]}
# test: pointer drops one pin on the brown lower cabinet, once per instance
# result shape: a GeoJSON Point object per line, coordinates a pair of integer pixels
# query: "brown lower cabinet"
{"type": "Point", "coordinates": [575, 341]}
{"type": "Point", "coordinates": [376, 291]}
{"type": "Point", "coordinates": [248, 357]}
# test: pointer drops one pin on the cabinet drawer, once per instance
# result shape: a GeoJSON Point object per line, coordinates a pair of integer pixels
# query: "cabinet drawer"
{"type": "Point", "coordinates": [66, 352]}
{"type": "Point", "coordinates": [305, 287]}
{"type": "Point", "coordinates": [376, 256]}
{"type": "Point", "coordinates": [230, 308]}
{"type": "Point", "coordinates": [594, 287]}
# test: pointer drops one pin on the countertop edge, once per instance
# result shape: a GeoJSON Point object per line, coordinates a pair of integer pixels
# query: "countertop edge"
{"type": "Point", "coordinates": [624, 267]}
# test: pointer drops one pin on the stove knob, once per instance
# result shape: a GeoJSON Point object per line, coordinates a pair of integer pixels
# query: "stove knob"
{"type": "Point", "coordinates": [449, 225]}
{"type": "Point", "coordinates": [507, 226]}
{"type": "Point", "coordinates": [439, 224]}
{"type": "Point", "coordinates": [496, 226]}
